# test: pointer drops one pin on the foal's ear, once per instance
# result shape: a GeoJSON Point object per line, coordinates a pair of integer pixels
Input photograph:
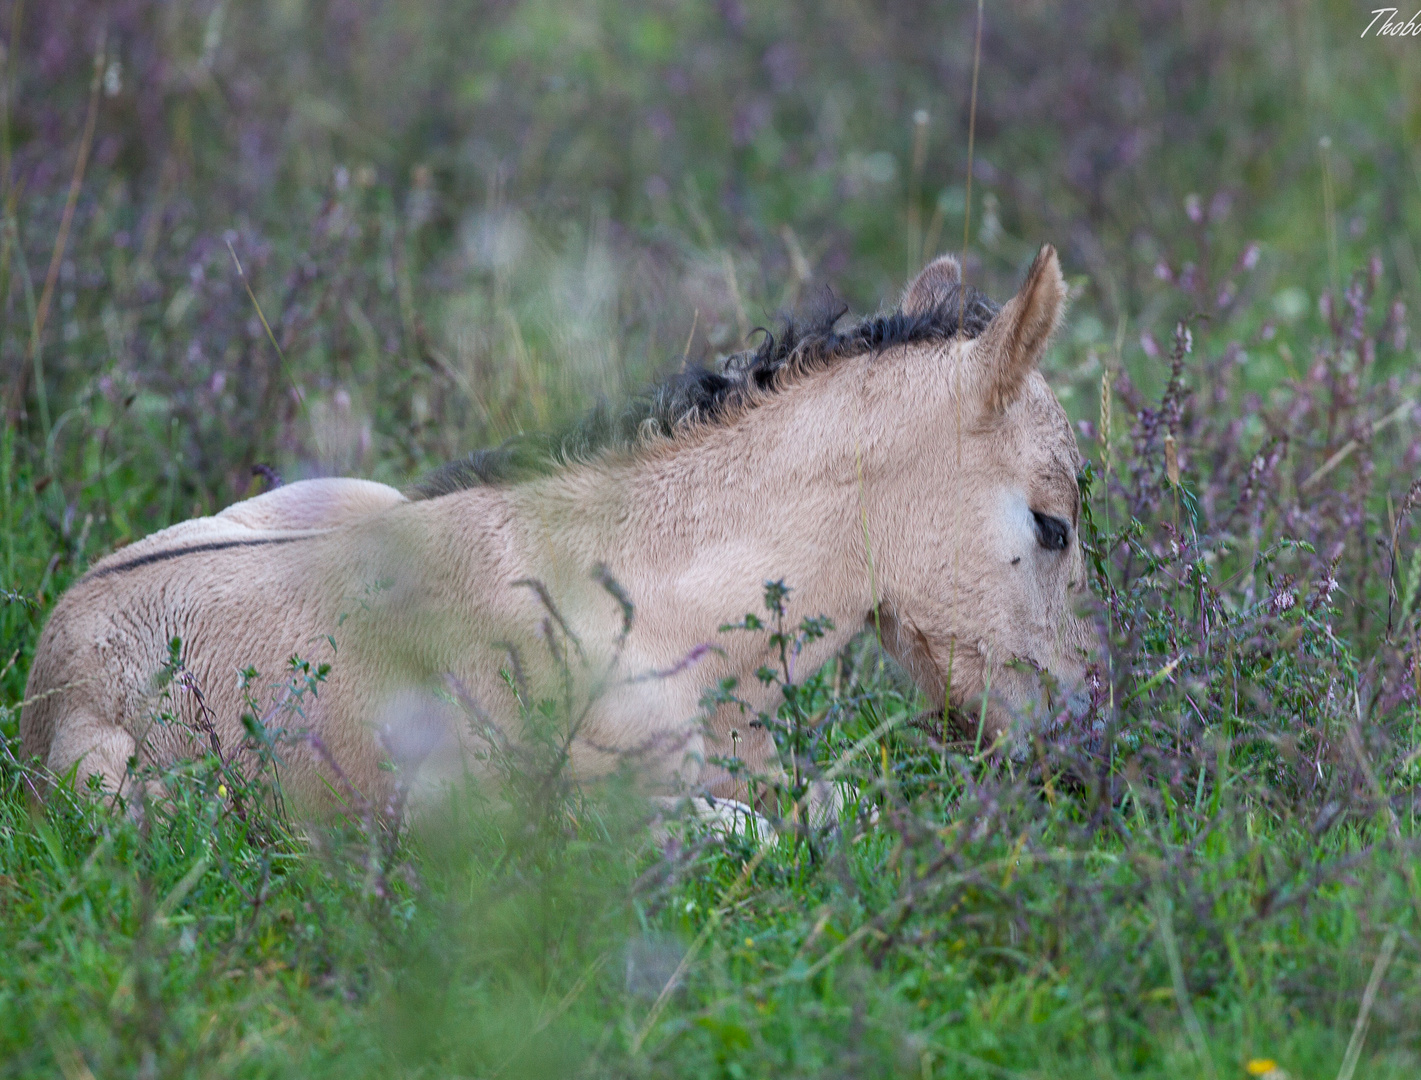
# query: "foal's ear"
{"type": "Point", "coordinates": [932, 287]}
{"type": "Point", "coordinates": [1013, 342]}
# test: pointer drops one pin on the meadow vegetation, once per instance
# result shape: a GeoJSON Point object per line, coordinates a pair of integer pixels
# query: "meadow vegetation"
{"type": "Point", "coordinates": [246, 240]}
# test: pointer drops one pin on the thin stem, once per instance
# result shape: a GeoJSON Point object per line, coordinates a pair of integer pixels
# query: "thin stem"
{"type": "Point", "coordinates": [971, 143]}
{"type": "Point", "coordinates": [56, 258]}
{"type": "Point", "coordinates": [300, 397]}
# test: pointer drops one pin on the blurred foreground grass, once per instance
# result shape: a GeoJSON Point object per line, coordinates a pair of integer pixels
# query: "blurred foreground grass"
{"type": "Point", "coordinates": [463, 220]}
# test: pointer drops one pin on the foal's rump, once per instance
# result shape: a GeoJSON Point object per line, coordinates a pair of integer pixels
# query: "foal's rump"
{"type": "Point", "coordinates": [311, 504]}
{"type": "Point", "coordinates": [302, 507]}
{"type": "Point", "coordinates": [236, 588]}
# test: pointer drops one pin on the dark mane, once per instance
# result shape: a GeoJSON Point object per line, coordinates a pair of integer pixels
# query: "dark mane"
{"type": "Point", "coordinates": [704, 395]}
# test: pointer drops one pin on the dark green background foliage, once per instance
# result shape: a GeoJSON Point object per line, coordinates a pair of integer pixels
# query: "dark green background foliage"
{"type": "Point", "coordinates": [467, 220]}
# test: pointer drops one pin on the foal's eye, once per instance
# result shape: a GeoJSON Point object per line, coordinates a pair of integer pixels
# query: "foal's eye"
{"type": "Point", "coordinates": [1051, 533]}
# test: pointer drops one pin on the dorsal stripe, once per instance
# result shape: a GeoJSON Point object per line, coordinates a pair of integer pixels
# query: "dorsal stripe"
{"type": "Point", "coordinates": [195, 549]}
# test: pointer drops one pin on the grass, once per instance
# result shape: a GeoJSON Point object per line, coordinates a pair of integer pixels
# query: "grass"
{"type": "Point", "coordinates": [1165, 899]}
{"type": "Point", "coordinates": [456, 236]}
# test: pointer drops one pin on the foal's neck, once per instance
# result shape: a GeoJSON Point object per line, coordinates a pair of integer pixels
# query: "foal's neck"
{"type": "Point", "coordinates": [693, 529]}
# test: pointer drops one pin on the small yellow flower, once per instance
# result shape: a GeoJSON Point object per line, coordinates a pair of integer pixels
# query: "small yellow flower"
{"type": "Point", "coordinates": [221, 791]}
{"type": "Point", "coordinates": [749, 943]}
{"type": "Point", "coordinates": [1266, 1068]}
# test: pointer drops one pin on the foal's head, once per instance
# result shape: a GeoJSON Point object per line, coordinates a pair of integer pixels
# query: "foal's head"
{"type": "Point", "coordinates": [980, 562]}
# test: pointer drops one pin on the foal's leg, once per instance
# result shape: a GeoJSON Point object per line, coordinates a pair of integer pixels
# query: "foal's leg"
{"type": "Point", "coordinates": [759, 760]}
{"type": "Point", "coordinates": [825, 803]}
{"type": "Point", "coordinates": [726, 817]}
{"type": "Point", "coordinates": [97, 747]}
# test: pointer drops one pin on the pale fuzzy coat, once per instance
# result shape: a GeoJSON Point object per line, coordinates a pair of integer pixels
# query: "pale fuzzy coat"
{"type": "Point", "coordinates": [901, 483]}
